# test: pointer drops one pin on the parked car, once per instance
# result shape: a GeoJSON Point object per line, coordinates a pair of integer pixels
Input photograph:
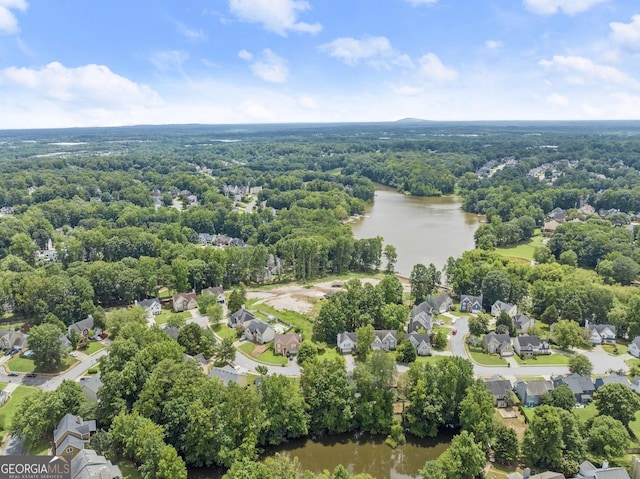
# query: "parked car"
{"type": "Point", "coordinates": [31, 375]}
{"type": "Point", "coordinates": [454, 331]}
{"type": "Point", "coordinates": [13, 374]}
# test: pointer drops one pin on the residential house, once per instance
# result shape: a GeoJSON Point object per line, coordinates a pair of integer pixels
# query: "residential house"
{"type": "Point", "coordinates": [420, 341]}
{"type": "Point", "coordinates": [550, 226]}
{"type": "Point", "coordinates": [495, 343]}
{"type": "Point", "coordinates": [528, 346]}
{"type": "Point", "coordinates": [90, 386]}
{"type": "Point", "coordinates": [206, 239]}
{"type": "Point", "coordinates": [172, 331]}
{"type": "Point", "coordinates": [588, 470]}
{"type": "Point", "coordinates": [259, 332]}
{"type": "Point", "coordinates": [385, 339]}
{"type": "Point", "coordinates": [634, 347]}
{"type": "Point", "coordinates": [87, 464]}
{"type": "Point", "coordinates": [470, 304]}
{"type": "Point", "coordinates": [152, 307]}
{"type": "Point", "coordinates": [601, 333]}
{"type": "Point", "coordinates": [12, 339]}
{"type": "Point", "coordinates": [81, 327]}
{"type": "Point", "coordinates": [523, 323]}
{"type": "Point", "coordinates": [440, 303]}
{"type": "Point", "coordinates": [557, 214]}
{"type": "Point", "coordinates": [346, 342]}
{"type": "Point", "coordinates": [582, 387]}
{"type": "Point", "coordinates": [240, 319]}
{"type": "Point", "coordinates": [531, 392]}
{"type": "Point", "coordinates": [612, 379]}
{"type": "Point", "coordinates": [500, 389]}
{"type": "Point", "coordinates": [217, 291]}
{"type": "Point", "coordinates": [500, 306]}
{"type": "Point", "coordinates": [286, 343]}
{"type": "Point", "coordinates": [229, 374]}
{"type": "Point", "coordinates": [72, 435]}
{"type": "Point", "coordinates": [606, 213]}
{"type": "Point", "coordinates": [184, 301]}
{"type": "Point", "coordinates": [421, 318]}
{"type": "Point", "coordinates": [198, 358]}
{"type": "Point", "coordinates": [635, 384]}
{"type": "Point", "coordinates": [586, 210]}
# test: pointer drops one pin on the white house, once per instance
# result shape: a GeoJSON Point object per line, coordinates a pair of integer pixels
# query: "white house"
{"type": "Point", "coordinates": [500, 306]}
{"type": "Point", "coordinates": [184, 301]}
{"type": "Point", "coordinates": [259, 332]}
{"type": "Point", "coordinates": [346, 342]}
{"type": "Point", "coordinates": [422, 343]}
{"type": "Point", "coordinates": [385, 340]}
{"type": "Point", "coordinates": [528, 346]}
{"type": "Point", "coordinates": [601, 333]}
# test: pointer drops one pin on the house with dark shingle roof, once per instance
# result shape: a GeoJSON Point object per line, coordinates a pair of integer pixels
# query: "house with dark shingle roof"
{"type": "Point", "coordinates": [151, 306]}
{"type": "Point", "coordinates": [90, 386]}
{"type": "Point", "coordinates": [385, 339]}
{"type": "Point", "coordinates": [470, 304]}
{"type": "Point", "coordinates": [495, 343]}
{"type": "Point", "coordinates": [588, 470]}
{"type": "Point", "coordinates": [500, 389]}
{"type": "Point", "coordinates": [12, 339]}
{"type": "Point", "coordinates": [81, 327]}
{"type": "Point", "coordinates": [241, 318]}
{"type": "Point", "coordinates": [601, 333]}
{"type": "Point", "coordinates": [421, 318]}
{"type": "Point", "coordinates": [87, 464]}
{"type": "Point", "coordinates": [420, 341]}
{"type": "Point", "coordinates": [531, 392]}
{"type": "Point", "coordinates": [582, 387]}
{"type": "Point", "coordinates": [634, 347]}
{"type": "Point", "coordinates": [217, 291]}
{"type": "Point", "coordinates": [499, 306]}
{"type": "Point", "coordinates": [523, 323]}
{"type": "Point", "coordinates": [72, 435]}
{"type": "Point", "coordinates": [612, 379]}
{"type": "Point", "coordinates": [259, 332]}
{"type": "Point", "coordinates": [440, 303]}
{"type": "Point", "coordinates": [528, 346]}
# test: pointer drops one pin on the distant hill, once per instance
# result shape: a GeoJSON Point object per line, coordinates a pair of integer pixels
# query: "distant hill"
{"type": "Point", "coordinates": [412, 120]}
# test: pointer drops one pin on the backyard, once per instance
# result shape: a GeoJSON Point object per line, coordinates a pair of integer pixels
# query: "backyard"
{"type": "Point", "coordinates": [8, 410]}
{"type": "Point", "coordinates": [167, 314]}
{"type": "Point", "coordinates": [523, 251]}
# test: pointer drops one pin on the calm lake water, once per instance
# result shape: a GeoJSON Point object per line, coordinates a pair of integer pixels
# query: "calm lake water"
{"type": "Point", "coordinates": [364, 455]}
{"type": "Point", "coordinates": [423, 230]}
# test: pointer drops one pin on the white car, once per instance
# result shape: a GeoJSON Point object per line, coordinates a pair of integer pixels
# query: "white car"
{"type": "Point", "coordinates": [73, 354]}
{"type": "Point", "coordinates": [453, 321]}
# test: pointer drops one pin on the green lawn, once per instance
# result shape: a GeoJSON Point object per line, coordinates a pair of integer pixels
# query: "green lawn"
{"type": "Point", "coordinates": [128, 468]}
{"type": "Point", "coordinates": [585, 413]}
{"type": "Point", "coordinates": [224, 331]}
{"type": "Point", "coordinates": [634, 426]}
{"type": "Point", "coordinates": [524, 250]}
{"type": "Point", "coordinates": [267, 357]}
{"type": "Point", "coordinates": [429, 359]}
{"type": "Point", "coordinates": [41, 448]}
{"type": "Point", "coordinates": [93, 347]}
{"type": "Point", "coordinates": [2, 386]}
{"type": "Point", "coordinates": [163, 317]}
{"type": "Point", "coordinates": [529, 412]}
{"type": "Point", "coordinates": [609, 348]}
{"type": "Point", "coordinates": [479, 356]}
{"type": "Point", "coordinates": [25, 365]}
{"type": "Point", "coordinates": [296, 320]}
{"type": "Point", "coordinates": [544, 360]}
{"type": "Point", "coordinates": [8, 410]}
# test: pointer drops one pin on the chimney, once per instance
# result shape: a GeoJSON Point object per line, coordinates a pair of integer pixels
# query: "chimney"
{"type": "Point", "coordinates": [605, 464]}
{"type": "Point", "coordinates": [526, 473]}
{"type": "Point", "coordinates": [135, 301]}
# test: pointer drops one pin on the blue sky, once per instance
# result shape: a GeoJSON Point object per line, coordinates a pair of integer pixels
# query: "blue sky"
{"type": "Point", "coordinates": [115, 62]}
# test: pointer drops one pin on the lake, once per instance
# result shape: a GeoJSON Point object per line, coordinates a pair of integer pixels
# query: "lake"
{"type": "Point", "coordinates": [423, 230]}
{"type": "Point", "coordinates": [365, 454]}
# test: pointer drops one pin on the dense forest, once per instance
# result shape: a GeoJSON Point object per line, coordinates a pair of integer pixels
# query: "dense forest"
{"type": "Point", "coordinates": [93, 219]}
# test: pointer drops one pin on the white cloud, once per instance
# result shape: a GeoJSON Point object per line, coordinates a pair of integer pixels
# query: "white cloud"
{"type": "Point", "coordinates": [418, 3]}
{"type": "Point", "coordinates": [568, 7]}
{"type": "Point", "coordinates": [278, 16]}
{"type": "Point", "coordinates": [308, 101]}
{"type": "Point", "coordinates": [627, 34]}
{"type": "Point", "coordinates": [556, 99]}
{"type": "Point", "coordinates": [580, 70]}
{"type": "Point", "coordinates": [167, 60]}
{"type": "Point", "coordinates": [376, 51]}
{"type": "Point", "coordinates": [8, 21]}
{"type": "Point", "coordinates": [245, 55]}
{"type": "Point", "coordinates": [89, 85]}
{"type": "Point", "coordinates": [493, 44]}
{"type": "Point", "coordinates": [267, 66]}
{"type": "Point", "coordinates": [406, 90]}
{"type": "Point", "coordinates": [190, 33]}
{"type": "Point", "coordinates": [432, 68]}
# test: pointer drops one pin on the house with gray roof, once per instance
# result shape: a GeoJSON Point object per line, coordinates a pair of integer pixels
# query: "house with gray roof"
{"type": "Point", "coordinates": [582, 387]}
{"type": "Point", "coordinates": [229, 374]}
{"type": "Point", "coordinates": [11, 339]}
{"type": "Point", "coordinates": [601, 333]}
{"type": "Point", "coordinates": [531, 392]}
{"type": "Point", "coordinates": [500, 388]}
{"type": "Point", "coordinates": [612, 379]}
{"type": "Point", "coordinates": [420, 341]}
{"type": "Point", "coordinates": [81, 327]}
{"type": "Point", "coordinates": [241, 318]}
{"type": "Point", "coordinates": [72, 435]}
{"type": "Point", "coordinates": [500, 306]}
{"type": "Point", "coordinates": [470, 304]}
{"type": "Point", "coordinates": [523, 323]}
{"type": "Point", "coordinates": [589, 471]}
{"type": "Point", "coordinates": [87, 464]}
{"type": "Point", "coordinates": [184, 301]}
{"type": "Point", "coordinates": [346, 342]}
{"type": "Point", "coordinates": [495, 343]}
{"type": "Point", "coordinates": [217, 291]}
{"type": "Point", "coordinates": [440, 303]}
{"type": "Point", "coordinates": [421, 318]}
{"type": "Point", "coordinates": [634, 347]}
{"type": "Point", "coordinates": [172, 331]}
{"type": "Point", "coordinates": [528, 346]}
{"type": "Point", "coordinates": [385, 339]}
{"type": "Point", "coordinates": [259, 332]}
{"type": "Point", "coordinates": [90, 386]}
{"type": "Point", "coordinates": [152, 306]}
